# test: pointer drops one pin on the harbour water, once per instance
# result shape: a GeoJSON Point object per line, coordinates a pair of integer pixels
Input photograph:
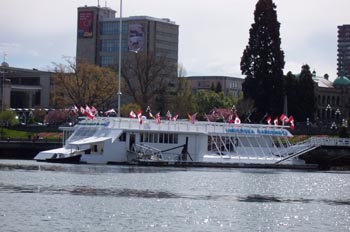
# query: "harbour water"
{"type": "Point", "coordinates": [56, 197]}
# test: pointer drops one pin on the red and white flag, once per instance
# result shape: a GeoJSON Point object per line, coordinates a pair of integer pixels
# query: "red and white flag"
{"type": "Point", "coordinates": [175, 117]}
{"type": "Point", "coordinates": [75, 109]}
{"type": "Point", "coordinates": [150, 114]}
{"type": "Point", "coordinates": [139, 115]}
{"type": "Point", "coordinates": [237, 120]}
{"type": "Point", "coordinates": [168, 115]}
{"type": "Point", "coordinates": [230, 119]}
{"type": "Point", "coordinates": [93, 111]}
{"type": "Point", "coordinates": [275, 121]}
{"type": "Point", "coordinates": [132, 114]}
{"type": "Point", "coordinates": [111, 111]}
{"type": "Point", "coordinates": [291, 121]}
{"type": "Point", "coordinates": [158, 118]}
{"type": "Point", "coordinates": [192, 118]}
{"type": "Point", "coordinates": [87, 112]}
{"type": "Point", "coordinates": [283, 118]}
{"type": "Point", "coordinates": [268, 120]}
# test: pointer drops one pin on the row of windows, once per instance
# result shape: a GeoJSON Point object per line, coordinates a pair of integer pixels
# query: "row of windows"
{"type": "Point", "coordinates": [334, 101]}
{"type": "Point", "coordinates": [159, 138]}
{"type": "Point", "coordinates": [108, 60]}
{"type": "Point", "coordinates": [161, 33]}
{"type": "Point", "coordinates": [112, 45]}
{"type": "Point", "coordinates": [165, 42]}
{"type": "Point", "coordinates": [112, 28]}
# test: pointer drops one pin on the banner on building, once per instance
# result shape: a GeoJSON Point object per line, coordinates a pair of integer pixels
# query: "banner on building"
{"type": "Point", "coordinates": [136, 37]}
{"type": "Point", "coordinates": [85, 24]}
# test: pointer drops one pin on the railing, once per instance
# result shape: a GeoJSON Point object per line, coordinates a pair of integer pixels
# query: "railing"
{"type": "Point", "coordinates": [147, 152]}
{"type": "Point", "coordinates": [326, 141]}
{"type": "Point", "coordinates": [185, 125]}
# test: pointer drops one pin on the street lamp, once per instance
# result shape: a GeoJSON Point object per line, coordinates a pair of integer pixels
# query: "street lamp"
{"type": "Point", "coordinates": [4, 65]}
{"type": "Point", "coordinates": [120, 55]}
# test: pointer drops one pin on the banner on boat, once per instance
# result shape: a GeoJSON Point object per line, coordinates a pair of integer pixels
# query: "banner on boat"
{"type": "Point", "coordinates": [259, 131]}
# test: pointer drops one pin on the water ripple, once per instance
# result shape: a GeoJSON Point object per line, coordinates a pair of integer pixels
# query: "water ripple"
{"type": "Point", "coordinates": [137, 193]}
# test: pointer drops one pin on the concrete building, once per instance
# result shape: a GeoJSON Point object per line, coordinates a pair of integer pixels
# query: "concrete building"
{"type": "Point", "coordinates": [98, 37]}
{"type": "Point", "coordinates": [229, 85]}
{"type": "Point", "coordinates": [24, 88]}
{"type": "Point", "coordinates": [332, 100]}
{"type": "Point", "coordinates": [344, 50]}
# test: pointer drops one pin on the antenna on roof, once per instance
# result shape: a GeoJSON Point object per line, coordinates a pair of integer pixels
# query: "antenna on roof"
{"type": "Point", "coordinates": [4, 56]}
{"type": "Point", "coordinates": [98, 3]}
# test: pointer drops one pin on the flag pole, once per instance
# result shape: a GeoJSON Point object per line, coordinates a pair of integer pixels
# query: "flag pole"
{"type": "Point", "coordinates": [120, 54]}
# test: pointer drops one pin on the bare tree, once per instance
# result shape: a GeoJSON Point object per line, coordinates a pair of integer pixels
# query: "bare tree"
{"type": "Point", "coordinates": [148, 78]}
{"type": "Point", "coordinates": [82, 84]}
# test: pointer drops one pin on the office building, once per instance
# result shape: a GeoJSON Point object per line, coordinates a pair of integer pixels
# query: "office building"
{"type": "Point", "coordinates": [229, 85]}
{"type": "Point", "coordinates": [344, 50]}
{"type": "Point", "coordinates": [98, 37]}
{"type": "Point", "coordinates": [25, 88]}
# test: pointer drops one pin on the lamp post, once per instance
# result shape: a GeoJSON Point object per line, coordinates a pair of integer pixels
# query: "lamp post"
{"type": "Point", "coordinates": [2, 86]}
{"type": "Point", "coordinates": [337, 114]}
{"type": "Point", "coordinates": [120, 55]}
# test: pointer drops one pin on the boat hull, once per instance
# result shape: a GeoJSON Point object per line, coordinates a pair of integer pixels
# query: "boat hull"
{"type": "Point", "coordinates": [66, 160]}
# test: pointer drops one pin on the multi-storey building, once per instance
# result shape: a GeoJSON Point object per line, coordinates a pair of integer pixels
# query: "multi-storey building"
{"type": "Point", "coordinates": [24, 88]}
{"type": "Point", "coordinates": [344, 50]}
{"type": "Point", "coordinates": [229, 85]}
{"type": "Point", "coordinates": [98, 37]}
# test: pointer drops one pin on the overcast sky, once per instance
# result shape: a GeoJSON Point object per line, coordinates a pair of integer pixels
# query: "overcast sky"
{"type": "Point", "coordinates": [213, 34]}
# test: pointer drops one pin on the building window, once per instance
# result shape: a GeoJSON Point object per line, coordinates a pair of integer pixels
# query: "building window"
{"type": "Point", "coordinates": [109, 45]}
{"type": "Point", "coordinates": [107, 60]}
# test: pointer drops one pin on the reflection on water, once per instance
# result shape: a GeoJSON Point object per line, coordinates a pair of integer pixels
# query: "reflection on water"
{"type": "Point", "coordinates": [56, 197]}
{"type": "Point", "coordinates": [135, 193]}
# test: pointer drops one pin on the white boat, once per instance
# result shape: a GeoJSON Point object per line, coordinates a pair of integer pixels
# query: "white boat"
{"type": "Point", "coordinates": [106, 140]}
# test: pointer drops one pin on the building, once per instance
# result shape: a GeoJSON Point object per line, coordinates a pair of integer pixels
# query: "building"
{"type": "Point", "coordinates": [229, 85]}
{"type": "Point", "coordinates": [24, 88]}
{"type": "Point", "coordinates": [332, 100]}
{"type": "Point", "coordinates": [98, 37]}
{"type": "Point", "coordinates": [344, 50]}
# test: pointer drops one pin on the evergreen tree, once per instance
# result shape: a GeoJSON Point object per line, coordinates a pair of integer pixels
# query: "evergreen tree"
{"type": "Point", "coordinates": [263, 61]}
{"type": "Point", "coordinates": [306, 94]}
{"type": "Point", "coordinates": [218, 88]}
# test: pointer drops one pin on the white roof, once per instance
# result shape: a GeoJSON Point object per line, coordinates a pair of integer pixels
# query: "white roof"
{"type": "Point", "coordinates": [89, 140]}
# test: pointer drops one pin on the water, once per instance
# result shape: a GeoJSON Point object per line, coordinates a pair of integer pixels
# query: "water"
{"type": "Point", "coordinates": [56, 197]}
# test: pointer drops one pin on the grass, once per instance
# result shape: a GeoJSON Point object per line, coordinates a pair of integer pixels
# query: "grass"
{"type": "Point", "coordinates": [24, 135]}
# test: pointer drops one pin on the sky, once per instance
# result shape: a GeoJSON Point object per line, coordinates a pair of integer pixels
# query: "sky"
{"type": "Point", "coordinates": [213, 34]}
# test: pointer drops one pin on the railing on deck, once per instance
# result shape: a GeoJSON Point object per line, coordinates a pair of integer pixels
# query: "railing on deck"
{"type": "Point", "coordinates": [326, 141]}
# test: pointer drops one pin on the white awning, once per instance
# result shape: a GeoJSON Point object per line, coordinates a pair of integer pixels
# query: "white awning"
{"type": "Point", "coordinates": [89, 140]}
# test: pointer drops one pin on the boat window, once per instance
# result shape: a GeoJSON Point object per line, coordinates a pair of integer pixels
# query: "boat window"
{"type": "Point", "coordinates": [176, 138]}
{"type": "Point", "coordinates": [159, 138]}
{"type": "Point", "coordinates": [122, 137]}
{"type": "Point", "coordinates": [155, 138]}
{"type": "Point", "coordinates": [166, 138]}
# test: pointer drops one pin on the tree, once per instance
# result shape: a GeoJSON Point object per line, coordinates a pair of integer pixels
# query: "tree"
{"type": "Point", "coordinates": [184, 100]}
{"type": "Point", "coordinates": [263, 61]}
{"type": "Point", "coordinates": [149, 79]}
{"type": "Point", "coordinates": [84, 84]}
{"type": "Point", "coordinates": [207, 100]}
{"type": "Point", "coordinates": [306, 94]}
{"type": "Point", "coordinates": [126, 109]}
{"type": "Point", "coordinates": [218, 88]}
{"type": "Point", "coordinates": [57, 117]}
{"type": "Point", "coordinates": [8, 117]}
